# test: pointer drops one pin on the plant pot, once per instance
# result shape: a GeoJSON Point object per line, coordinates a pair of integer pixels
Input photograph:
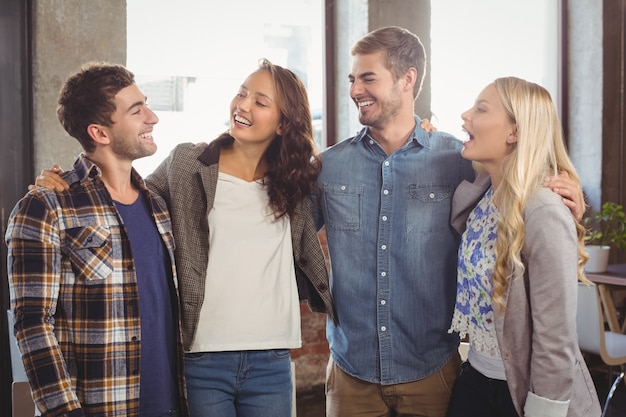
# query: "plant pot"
{"type": "Point", "coordinates": [598, 258]}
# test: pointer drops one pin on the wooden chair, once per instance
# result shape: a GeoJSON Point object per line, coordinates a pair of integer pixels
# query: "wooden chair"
{"type": "Point", "coordinates": [593, 338]}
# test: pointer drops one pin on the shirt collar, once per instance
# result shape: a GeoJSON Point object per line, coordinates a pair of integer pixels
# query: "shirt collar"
{"type": "Point", "coordinates": [85, 169]}
{"type": "Point", "coordinates": [419, 135]}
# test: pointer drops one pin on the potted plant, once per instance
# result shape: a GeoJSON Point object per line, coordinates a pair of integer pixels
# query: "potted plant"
{"type": "Point", "coordinates": [606, 228]}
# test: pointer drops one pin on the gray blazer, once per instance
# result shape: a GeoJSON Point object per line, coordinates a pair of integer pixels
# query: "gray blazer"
{"type": "Point", "coordinates": [187, 180]}
{"type": "Point", "coordinates": [539, 344]}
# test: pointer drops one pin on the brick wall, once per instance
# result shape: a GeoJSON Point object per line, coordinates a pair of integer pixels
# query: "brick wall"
{"type": "Point", "coordinates": [311, 359]}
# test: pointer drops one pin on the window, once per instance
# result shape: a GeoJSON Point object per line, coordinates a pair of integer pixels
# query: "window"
{"type": "Point", "coordinates": [190, 57]}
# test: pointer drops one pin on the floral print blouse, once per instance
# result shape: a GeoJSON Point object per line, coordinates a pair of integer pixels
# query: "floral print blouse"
{"type": "Point", "coordinates": [473, 312]}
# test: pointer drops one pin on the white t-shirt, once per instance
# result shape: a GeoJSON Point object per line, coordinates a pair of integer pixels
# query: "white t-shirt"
{"type": "Point", "coordinates": [251, 297]}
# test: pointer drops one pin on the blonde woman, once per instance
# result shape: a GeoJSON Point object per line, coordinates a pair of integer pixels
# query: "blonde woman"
{"type": "Point", "coordinates": [520, 258]}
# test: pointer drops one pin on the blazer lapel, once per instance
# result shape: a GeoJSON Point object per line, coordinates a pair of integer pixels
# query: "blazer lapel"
{"type": "Point", "coordinates": [465, 198]}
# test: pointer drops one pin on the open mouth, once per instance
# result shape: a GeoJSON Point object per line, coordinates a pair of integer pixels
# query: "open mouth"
{"type": "Point", "coordinates": [242, 121]}
{"type": "Point", "coordinates": [365, 103]}
{"type": "Point", "coordinates": [470, 136]}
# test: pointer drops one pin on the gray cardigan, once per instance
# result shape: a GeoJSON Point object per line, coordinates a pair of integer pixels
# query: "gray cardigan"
{"type": "Point", "coordinates": [187, 180]}
{"type": "Point", "coordinates": [537, 330]}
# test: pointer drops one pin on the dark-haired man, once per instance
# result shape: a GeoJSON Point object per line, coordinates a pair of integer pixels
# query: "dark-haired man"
{"type": "Point", "coordinates": [91, 269]}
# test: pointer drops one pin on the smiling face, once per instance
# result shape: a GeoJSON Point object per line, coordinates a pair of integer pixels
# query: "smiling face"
{"type": "Point", "coordinates": [254, 111]}
{"type": "Point", "coordinates": [492, 133]}
{"type": "Point", "coordinates": [373, 89]}
{"type": "Point", "coordinates": [133, 122]}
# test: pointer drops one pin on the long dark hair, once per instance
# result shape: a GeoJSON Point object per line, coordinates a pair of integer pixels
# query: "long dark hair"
{"type": "Point", "coordinates": [293, 161]}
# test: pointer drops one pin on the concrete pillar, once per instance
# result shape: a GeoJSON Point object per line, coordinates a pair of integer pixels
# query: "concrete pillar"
{"type": "Point", "coordinates": [356, 18]}
{"type": "Point", "coordinates": [351, 23]}
{"type": "Point", "coordinates": [66, 34]}
{"type": "Point", "coordinates": [585, 95]}
{"type": "Point", "coordinates": [413, 15]}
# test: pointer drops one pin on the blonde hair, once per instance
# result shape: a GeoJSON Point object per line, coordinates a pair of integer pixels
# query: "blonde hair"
{"type": "Point", "coordinates": [539, 152]}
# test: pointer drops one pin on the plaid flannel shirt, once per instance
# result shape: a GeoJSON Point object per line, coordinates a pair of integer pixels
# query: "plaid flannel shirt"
{"type": "Point", "coordinates": [75, 297]}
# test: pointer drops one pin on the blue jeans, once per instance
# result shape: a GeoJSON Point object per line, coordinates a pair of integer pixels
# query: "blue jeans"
{"type": "Point", "coordinates": [239, 384]}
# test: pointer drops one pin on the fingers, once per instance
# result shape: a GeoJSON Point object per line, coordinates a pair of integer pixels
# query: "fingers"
{"type": "Point", "coordinates": [577, 208]}
{"type": "Point", "coordinates": [569, 203]}
{"type": "Point", "coordinates": [572, 196]}
{"type": "Point", "coordinates": [50, 179]}
{"type": "Point", "coordinates": [427, 126]}
{"type": "Point", "coordinates": [47, 182]}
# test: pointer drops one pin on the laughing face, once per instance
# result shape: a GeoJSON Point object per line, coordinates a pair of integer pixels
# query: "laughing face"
{"type": "Point", "coordinates": [254, 113]}
{"type": "Point", "coordinates": [133, 123]}
{"type": "Point", "coordinates": [374, 91]}
{"type": "Point", "coordinates": [491, 131]}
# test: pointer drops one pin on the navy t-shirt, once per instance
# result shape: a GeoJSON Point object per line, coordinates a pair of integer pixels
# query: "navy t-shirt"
{"type": "Point", "coordinates": [158, 388]}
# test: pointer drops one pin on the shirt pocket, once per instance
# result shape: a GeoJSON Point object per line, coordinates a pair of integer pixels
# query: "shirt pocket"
{"type": "Point", "coordinates": [89, 249]}
{"type": "Point", "coordinates": [343, 206]}
{"type": "Point", "coordinates": [429, 208]}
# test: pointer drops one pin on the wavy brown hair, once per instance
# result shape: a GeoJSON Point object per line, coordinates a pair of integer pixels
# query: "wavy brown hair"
{"type": "Point", "coordinates": [293, 161]}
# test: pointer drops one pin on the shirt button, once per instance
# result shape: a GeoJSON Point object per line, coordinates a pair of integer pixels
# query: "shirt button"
{"type": "Point", "coordinates": [383, 302]}
{"type": "Point", "coordinates": [432, 195]}
{"type": "Point", "coordinates": [383, 247]}
{"type": "Point", "coordinates": [343, 188]}
{"type": "Point", "coordinates": [383, 328]}
{"type": "Point", "coordinates": [371, 142]}
{"type": "Point", "coordinates": [386, 163]}
{"type": "Point", "coordinates": [384, 218]}
{"type": "Point", "coordinates": [385, 192]}
{"type": "Point", "coordinates": [383, 274]}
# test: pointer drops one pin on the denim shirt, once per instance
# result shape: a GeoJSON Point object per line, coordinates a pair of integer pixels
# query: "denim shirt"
{"type": "Point", "coordinates": [393, 253]}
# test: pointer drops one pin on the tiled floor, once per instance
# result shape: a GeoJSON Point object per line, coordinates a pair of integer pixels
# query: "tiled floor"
{"type": "Point", "coordinates": [312, 404]}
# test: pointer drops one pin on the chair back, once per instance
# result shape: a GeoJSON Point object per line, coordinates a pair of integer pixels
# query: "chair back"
{"type": "Point", "coordinates": [592, 336]}
{"type": "Point", "coordinates": [589, 323]}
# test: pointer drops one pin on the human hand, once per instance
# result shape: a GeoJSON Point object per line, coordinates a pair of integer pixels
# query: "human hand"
{"type": "Point", "coordinates": [50, 179]}
{"type": "Point", "coordinates": [570, 192]}
{"type": "Point", "coordinates": [427, 126]}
